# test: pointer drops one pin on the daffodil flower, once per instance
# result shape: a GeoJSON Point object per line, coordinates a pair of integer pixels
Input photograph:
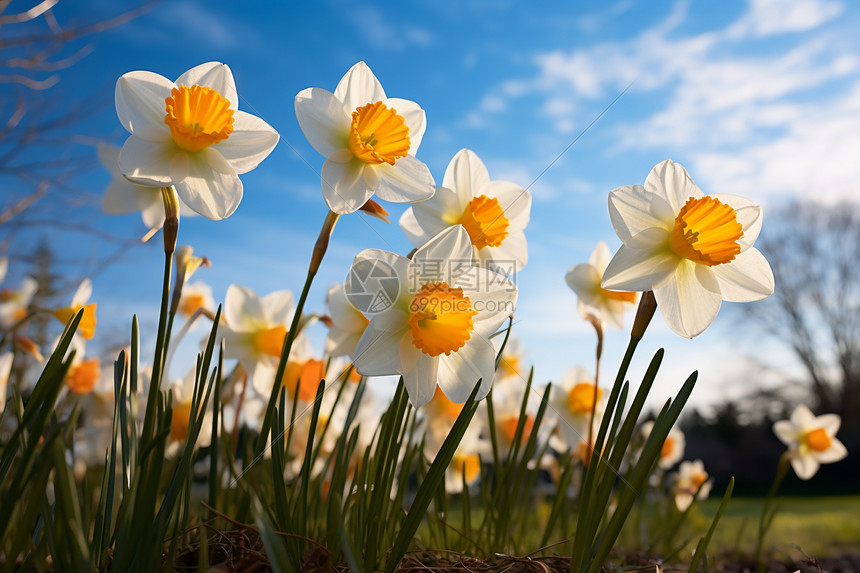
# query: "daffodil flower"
{"type": "Point", "coordinates": [811, 440]}
{"type": "Point", "coordinates": [196, 296]}
{"type": "Point", "coordinates": [369, 141]}
{"type": "Point", "coordinates": [190, 134]}
{"type": "Point", "coordinates": [80, 300]}
{"type": "Point", "coordinates": [572, 401]}
{"type": "Point", "coordinates": [347, 323]}
{"type": "Point", "coordinates": [494, 213]}
{"type": "Point", "coordinates": [607, 306]}
{"type": "Point", "coordinates": [122, 197]}
{"type": "Point", "coordinates": [693, 250]}
{"type": "Point", "coordinates": [690, 479]}
{"type": "Point", "coordinates": [673, 447]}
{"type": "Point", "coordinates": [14, 303]}
{"type": "Point", "coordinates": [435, 326]}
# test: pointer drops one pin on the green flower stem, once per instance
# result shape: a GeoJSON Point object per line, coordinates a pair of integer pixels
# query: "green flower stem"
{"type": "Point", "coordinates": [316, 258]}
{"type": "Point", "coordinates": [767, 513]}
{"type": "Point", "coordinates": [171, 227]}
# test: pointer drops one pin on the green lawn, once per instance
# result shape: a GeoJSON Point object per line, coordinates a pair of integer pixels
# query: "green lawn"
{"type": "Point", "coordinates": [819, 526]}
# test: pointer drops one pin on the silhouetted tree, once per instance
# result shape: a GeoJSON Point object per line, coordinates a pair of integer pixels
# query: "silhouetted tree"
{"type": "Point", "coordinates": [814, 251]}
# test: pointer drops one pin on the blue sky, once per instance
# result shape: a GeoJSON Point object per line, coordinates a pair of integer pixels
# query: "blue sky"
{"type": "Point", "coordinates": [758, 98]}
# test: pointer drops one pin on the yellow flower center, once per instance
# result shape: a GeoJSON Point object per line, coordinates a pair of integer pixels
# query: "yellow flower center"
{"type": "Point", "coordinates": [706, 231]}
{"type": "Point", "coordinates": [304, 375]}
{"type": "Point", "coordinates": [668, 448]}
{"type": "Point", "coordinates": [468, 464]}
{"type": "Point", "coordinates": [378, 135]}
{"type": "Point", "coordinates": [87, 326]}
{"type": "Point", "coordinates": [82, 377]}
{"type": "Point", "coordinates": [190, 303]}
{"type": "Point", "coordinates": [697, 479]}
{"type": "Point", "coordinates": [817, 440]}
{"type": "Point", "coordinates": [508, 426]}
{"type": "Point", "coordinates": [580, 398]}
{"type": "Point", "coordinates": [616, 295]}
{"type": "Point", "coordinates": [440, 318]}
{"type": "Point", "coordinates": [180, 421]}
{"type": "Point", "coordinates": [485, 221]}
{"type": "Point", "coordinates": [270, 340]}
{"type": "Point", "coordinates": [198, 117]}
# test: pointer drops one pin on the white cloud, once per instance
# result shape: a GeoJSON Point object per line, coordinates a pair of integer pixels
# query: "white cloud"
{"type": "Point", "coordinates": [768, 17]}
{"type": "Point", "coordinates": [746, 116]}
{"type": "Point", "coordinates": [384, 35]}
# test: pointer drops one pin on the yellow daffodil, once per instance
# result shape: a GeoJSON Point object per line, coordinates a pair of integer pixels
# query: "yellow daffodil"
{"type": "Point", "coordinates": [693, 250]}
{"type": "Point", "coordinates": [811, 440]}
{"type": "Point", "coordinates": [604, 305]}
{"type": "Point", "coordinates": [494, 213]}
{"type": "Point", "coordinates": [190, 134]}
{"type": "Point", "coordinates": [690, 478]}
{"type": "Point", "coordinates": [80, 300]}
{"type": "Point", "coordinates": [430, 317]}
{"type": "Point", "coordinates": [369, 141]}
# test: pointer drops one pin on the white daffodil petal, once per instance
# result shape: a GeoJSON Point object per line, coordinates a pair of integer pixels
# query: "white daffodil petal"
{"type": "Point", "coordinates": [213, 75]}
{"type": "Point", "coordinates": [689, 298]}
{"type": "Point", "coordinates": [466, 175]}
{"type": "Point", "coordinates": [344, 187]}
{"type": "Point", "coordinates": [583, 279]}
{"type": "Point", "coordinates": [803, 418]}
{"type": "Point", "coordinates": [263, 376]}
{"type": "Point", "coordinates": [413, 230]}
{"type": "Point", "coordinates": [359, 87]}
{"type": "Point", "coordinates": [243, 309]}
{"type": "Point", "coordinates": [440, 211]}
{"type": "Point", "coordinates": [147, 162]}
{"type": "Point", "coordinates": [445, 256]}
{"type": "Point", "coordinates": [140, 104]}
{"type": "Point", "coordinates": [492, 295]}
{"type": "Point", "coordinates": [420, 372]}
{"type": "Point", "coordinates": [670, 181]}
{"type": "Point", "coordinates": [153, 214]}
{"type": "Point", "coordinates": [251, 142]}
{"type": "Point", "coordinates": [633, 210]}
{"type": "Point", "coordinates": [378, 281]}
{"type": "Point", "coordinates": [278, 306]}
{"type": "Point", "coordinates": [829, 423]}
{"type": "Point", "coordinates": [639, 269]}
{"type": "Point", "coordinates": [600, 257]}
{"type": "Point", "coordinates": [461, 370]}
{"type": "Point", "coordinates": [121, 197]}
{"type": "Point", "coordinates": [414, 118]}
{"type": "Point", "coordinates": [323, 119]}
{"type": "Point", "coordinates": [515, 201]}
{"type": "Point", "coordinates": [836, 452]}
{"type": "Point", "coordinates": [213, 194]}
{"type": "Point", "coordinates": [508, 258]}
{"type": "Point", "coordinates": [804, 466]}
{"type": "Point", "coordinates": [785, 431]}
{"type": "Point", "coordinates": [407, 181]}
{"type": "Point", "coordinates": [745, 279]}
